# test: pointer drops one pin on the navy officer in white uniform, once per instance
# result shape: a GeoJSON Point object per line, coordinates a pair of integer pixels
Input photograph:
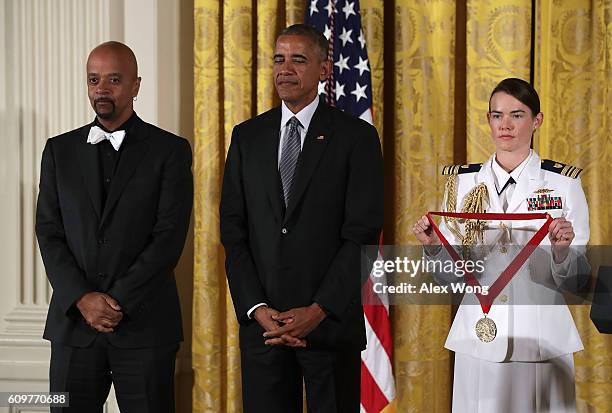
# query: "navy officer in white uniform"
{"type": "Point", "coordinates": [528, 366]}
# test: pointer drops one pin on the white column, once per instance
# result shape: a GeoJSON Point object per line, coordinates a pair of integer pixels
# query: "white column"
{"type": "Point", "coordinates": [141, 35]}
{"type": "Point", "coordinates": [44, 78]}
{"type": "Point", "coordinates": [43, 50]}
{"type": "Point", "coordinates": [42, 93]}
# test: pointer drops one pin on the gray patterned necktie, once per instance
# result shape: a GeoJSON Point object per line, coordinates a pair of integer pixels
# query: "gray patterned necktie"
{"type": "Point", "coordinates": [290, 152]}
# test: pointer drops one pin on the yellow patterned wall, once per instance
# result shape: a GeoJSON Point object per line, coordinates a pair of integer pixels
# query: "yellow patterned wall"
{"type": "Point", "coordinates": [422, 136]}
{"type": "Point", "coordinates": [413, 53]}
{"type": "Point", "coordinates": [498, 46]}
{"type": "Point", "coordinates": [233, 82]}
{"type": "Point", "coordinates": [208, 351]}
{"type": "Point", "coordinates": [268, 26]}
{"type": "Point", "coordinates": [573, 75]}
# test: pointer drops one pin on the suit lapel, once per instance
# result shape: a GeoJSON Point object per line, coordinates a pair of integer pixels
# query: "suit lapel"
{"type": "Point", "coordinates": [269, 162]}
{"type": "Point", "coordinates": [135, 149]}
{"type": "Point", "coordinates": [314, 146]}
{"type": "Point", "coordinates": [90, 168]}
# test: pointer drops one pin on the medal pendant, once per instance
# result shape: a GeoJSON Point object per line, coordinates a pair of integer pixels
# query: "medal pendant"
{"type": "Point", "coordinates": [486, 330]}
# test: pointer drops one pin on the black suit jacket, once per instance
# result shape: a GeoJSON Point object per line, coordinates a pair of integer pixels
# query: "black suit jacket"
{"type": "Point", "coordinates": [601, 308]}
{"type": "Point", "coordinates": [310, 252]}
{"type": "Point", "coordinates": [127, 247]}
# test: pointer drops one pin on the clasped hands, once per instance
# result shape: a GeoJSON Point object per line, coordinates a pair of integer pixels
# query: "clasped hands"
{"type": "Point", "coordinates": [289, 327]}
{"type": "Point", "coordinates": [101, 311]}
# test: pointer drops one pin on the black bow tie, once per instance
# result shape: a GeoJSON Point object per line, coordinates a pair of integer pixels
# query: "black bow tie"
{"type": "Point", "coordinates": [508, 182]}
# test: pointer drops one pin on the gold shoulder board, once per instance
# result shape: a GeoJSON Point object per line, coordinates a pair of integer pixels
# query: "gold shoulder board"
{"type": "Point", "coordinates": [561, 168]}
{"type": "Point", "coordinates": [461, 169]}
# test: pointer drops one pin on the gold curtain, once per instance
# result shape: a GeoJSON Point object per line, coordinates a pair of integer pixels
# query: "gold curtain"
{"type": "Point", "coordinates": [433, 65]}
{"type": "Point", "coordinates": [421, 140]}
{"type": "Point", "coordinates": [573, 72]}
{"type": "Point", "coordinates": [233, 81]}
{"type": "Point", "coordinates": [498, 46]}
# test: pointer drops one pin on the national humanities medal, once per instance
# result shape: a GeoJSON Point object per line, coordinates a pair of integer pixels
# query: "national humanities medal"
{"type": "Point", "coordinates": [485, 328]}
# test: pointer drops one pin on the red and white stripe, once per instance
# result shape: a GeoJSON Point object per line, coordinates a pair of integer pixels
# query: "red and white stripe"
{"type": "Point", "coordinates": [377, 382]}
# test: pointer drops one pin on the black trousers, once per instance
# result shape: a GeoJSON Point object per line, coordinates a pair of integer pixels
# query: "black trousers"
{"type": "Point", "coordinates": [273, 377]}
{"type": "Point", "coordinates": [143, 377]}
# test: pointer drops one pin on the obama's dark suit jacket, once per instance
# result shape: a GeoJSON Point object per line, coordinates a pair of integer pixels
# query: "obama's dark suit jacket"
{"type": "Point", "coordinates": [309, 252]}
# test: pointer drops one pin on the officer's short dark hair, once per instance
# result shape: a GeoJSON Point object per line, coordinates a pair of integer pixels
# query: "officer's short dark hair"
{"type": "Point", "coordinates": [521, 90]}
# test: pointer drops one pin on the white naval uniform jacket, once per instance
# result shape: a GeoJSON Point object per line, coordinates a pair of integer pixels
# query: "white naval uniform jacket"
{"type": "Point", "coordinates": [533, 322]}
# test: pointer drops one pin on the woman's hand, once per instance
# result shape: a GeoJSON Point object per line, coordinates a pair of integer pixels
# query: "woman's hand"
{"type": "Point", "coordinates": [424, 232]}
{"type": "Point", "coordinates": [561, 234]}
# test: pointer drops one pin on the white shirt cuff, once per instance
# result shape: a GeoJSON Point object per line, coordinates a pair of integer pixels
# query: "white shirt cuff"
{"type": "Point", "coordinates": [562, 269]}
{"type": "Point", "coordinates": [254, 308]}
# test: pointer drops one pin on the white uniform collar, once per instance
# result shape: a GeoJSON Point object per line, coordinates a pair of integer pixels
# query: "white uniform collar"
{"type": "Point", "coordinates": [531, 181]}
{"type": "Point", "coordinates": [501, 176]}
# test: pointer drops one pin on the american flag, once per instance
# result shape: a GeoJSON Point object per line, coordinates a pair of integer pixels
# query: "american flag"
{"type": "Point", "coordinates": [350, 85]}
{"type": "Point", "coordinates": [350, 88]}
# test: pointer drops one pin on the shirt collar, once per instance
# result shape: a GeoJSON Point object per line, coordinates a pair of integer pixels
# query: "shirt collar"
{"type": "Point", "coordinates": [304, 116]}
{"type": "Point", "coordinates": [502, 176]}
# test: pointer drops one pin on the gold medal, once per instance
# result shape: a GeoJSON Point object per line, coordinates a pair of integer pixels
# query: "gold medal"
{"type": "Point", "coordinates": [486, 330]}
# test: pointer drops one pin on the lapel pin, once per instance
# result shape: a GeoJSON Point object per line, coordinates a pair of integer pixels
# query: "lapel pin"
{"type": "Point", "coordinates": [320, 137]}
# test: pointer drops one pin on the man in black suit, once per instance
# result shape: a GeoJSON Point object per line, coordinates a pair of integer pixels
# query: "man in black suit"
{"type": "Point", "coordinates": [113, 211]}
{"type": "Point", "coordinates": [302, 193]}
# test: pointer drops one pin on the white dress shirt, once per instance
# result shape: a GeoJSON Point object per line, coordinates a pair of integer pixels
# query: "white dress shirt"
{"type": "Point", "coordinates": [501, 177]}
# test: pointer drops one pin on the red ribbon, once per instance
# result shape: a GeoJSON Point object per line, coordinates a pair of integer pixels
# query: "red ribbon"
{"type": "Point", "coordinates": [486, 301]}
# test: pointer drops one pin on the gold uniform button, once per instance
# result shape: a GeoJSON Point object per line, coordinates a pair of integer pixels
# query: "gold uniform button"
{"type": "Point", "coordinates": [503, 298]}
{"type": "Point", "coordinates": [503, 250]}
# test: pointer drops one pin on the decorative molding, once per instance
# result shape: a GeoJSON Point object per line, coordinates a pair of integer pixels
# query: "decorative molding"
{"type": "Point", "coordinates": [26, 320]}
